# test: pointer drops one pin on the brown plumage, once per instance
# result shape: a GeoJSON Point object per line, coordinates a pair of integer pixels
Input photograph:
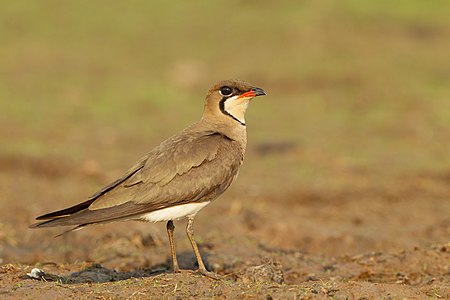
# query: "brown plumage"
{"type": "Point", "coordinates": [180, 176]}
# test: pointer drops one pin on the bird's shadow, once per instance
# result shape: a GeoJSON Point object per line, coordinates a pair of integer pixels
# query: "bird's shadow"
{"type": "Point", "coordinates": [96, 273]}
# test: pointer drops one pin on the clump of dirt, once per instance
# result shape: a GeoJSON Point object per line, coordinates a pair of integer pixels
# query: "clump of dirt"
{"type": "Point", "coordinates": [268, 272]}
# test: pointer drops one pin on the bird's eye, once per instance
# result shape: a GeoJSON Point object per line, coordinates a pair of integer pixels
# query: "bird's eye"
{"type": "Point", "coordinates": [225, 91]}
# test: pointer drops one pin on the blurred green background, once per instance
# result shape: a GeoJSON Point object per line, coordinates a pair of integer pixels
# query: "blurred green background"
{"type": "Point", "coordinates": [358, 91]}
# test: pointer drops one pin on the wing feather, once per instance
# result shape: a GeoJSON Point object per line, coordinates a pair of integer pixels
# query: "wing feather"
{"type": "Point", "coordinates": [84, 205]}
{"type": "Point", "coordinates": [186, 168]}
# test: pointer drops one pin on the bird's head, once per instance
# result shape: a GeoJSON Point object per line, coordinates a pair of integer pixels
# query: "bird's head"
{"type": "Point", "coordinates": [230, 99]}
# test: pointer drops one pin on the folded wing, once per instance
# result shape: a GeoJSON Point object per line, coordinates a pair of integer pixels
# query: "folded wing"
{"type": "Point", "coordinates": [184, 169]}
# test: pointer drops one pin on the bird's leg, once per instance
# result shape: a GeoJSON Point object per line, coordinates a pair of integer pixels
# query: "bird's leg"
{"type": "Point", "coordinates": [201, 265]}
{"type": "Point", "coordinates": [170, 230]}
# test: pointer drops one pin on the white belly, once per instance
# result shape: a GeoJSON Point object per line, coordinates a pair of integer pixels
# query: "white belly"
{"type": "Point", "coordinates": [174, 212]}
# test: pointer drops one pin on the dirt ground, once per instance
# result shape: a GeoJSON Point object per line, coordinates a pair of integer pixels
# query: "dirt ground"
{"type": "Point", "coordinates": [363, 241]}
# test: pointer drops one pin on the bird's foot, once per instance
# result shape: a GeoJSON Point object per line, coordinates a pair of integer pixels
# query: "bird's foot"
{"type": "Point", "coordinates": [209, 274]}
{"type": "Point", "coordinates": [181, 271]}
{"type": "Point", "coordinates": [178, 270]}
{"type": "Point", "coordinates": [205, 272]}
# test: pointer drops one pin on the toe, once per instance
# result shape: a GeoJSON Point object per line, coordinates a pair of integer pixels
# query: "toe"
{"type": "Point", "coordinates": [211, 275]}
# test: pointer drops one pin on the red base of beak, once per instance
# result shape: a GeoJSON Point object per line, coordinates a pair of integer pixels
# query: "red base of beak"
{"type": "Point", "coordinates": [249, 94]}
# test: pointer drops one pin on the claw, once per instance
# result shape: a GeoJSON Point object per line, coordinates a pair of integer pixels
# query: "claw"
{"type": "Point", "coordinates": [206, 273]}
{"type": "Point", "coordinates": [181, 271]}
{"type": "Point", "coordinates": [211, 275]}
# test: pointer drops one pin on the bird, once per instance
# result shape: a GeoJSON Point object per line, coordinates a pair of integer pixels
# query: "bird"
{"type": "Point", "coordinates": [178, 178]}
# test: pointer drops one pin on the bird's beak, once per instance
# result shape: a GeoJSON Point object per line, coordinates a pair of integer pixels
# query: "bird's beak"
{"type": "Point", "coordinates": [258, 91]}
{"type": "Point", "coordinates": [253, 93]}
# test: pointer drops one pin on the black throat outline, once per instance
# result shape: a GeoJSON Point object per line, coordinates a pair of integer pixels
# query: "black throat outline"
{"type": "Point", "coordinates": [224, 111]}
